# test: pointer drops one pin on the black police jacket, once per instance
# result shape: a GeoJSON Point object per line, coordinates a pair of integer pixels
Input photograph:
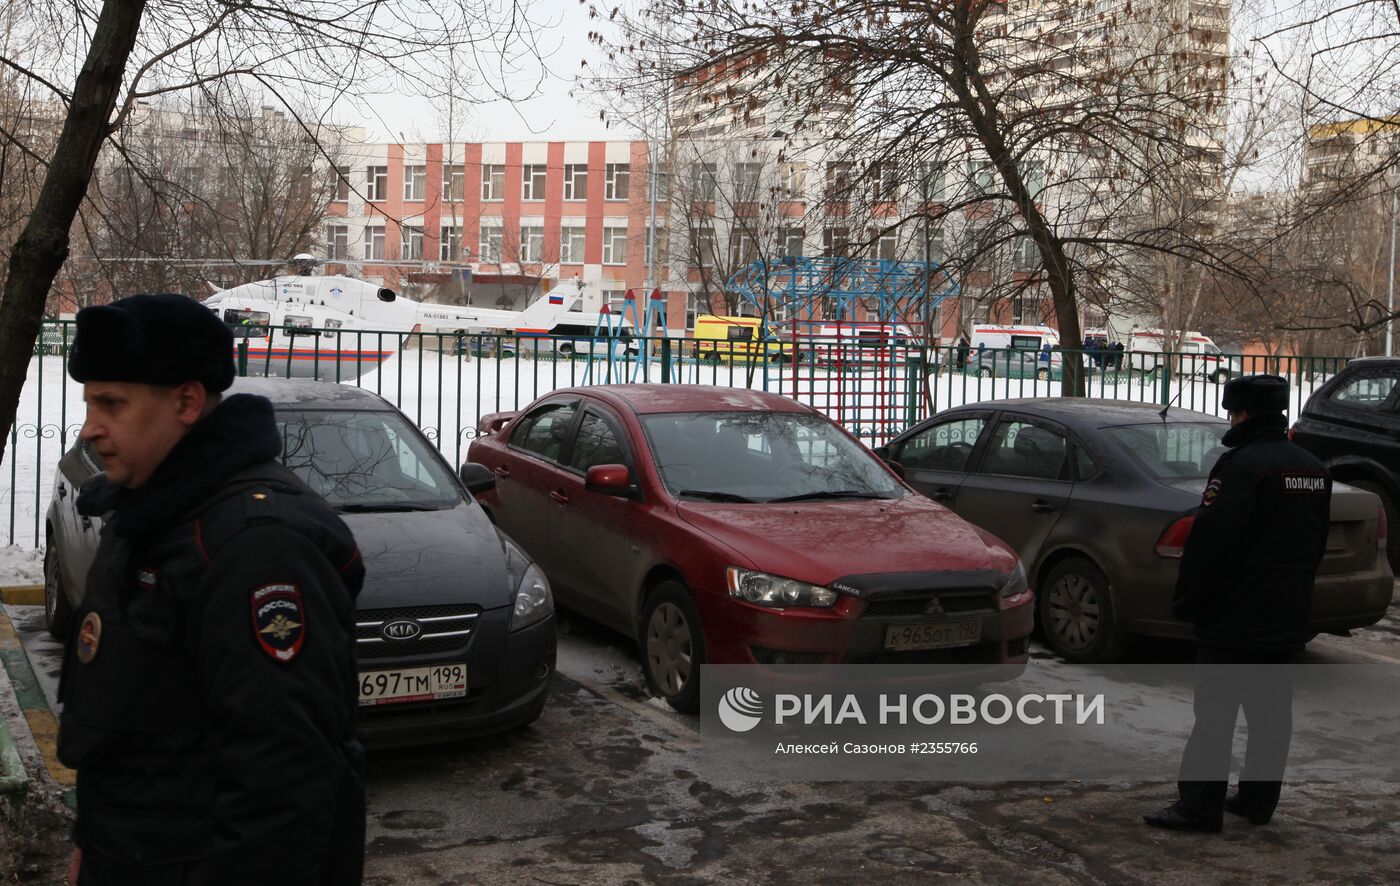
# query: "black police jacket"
{"type": "Point", "coordinates": [208, 688]}
{"type": "Point", "coordinates": [1247, 570]}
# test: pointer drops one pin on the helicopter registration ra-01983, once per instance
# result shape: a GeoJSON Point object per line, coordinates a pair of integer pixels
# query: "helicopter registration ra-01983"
{"type": "Point", "coordinates": [340, 327]}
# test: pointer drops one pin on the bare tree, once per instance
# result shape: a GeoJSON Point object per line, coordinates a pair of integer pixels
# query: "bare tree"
{"type": "Point", "coordinates": [1054, 121]}
{"type": "Point", "coordinates": [303, 54]}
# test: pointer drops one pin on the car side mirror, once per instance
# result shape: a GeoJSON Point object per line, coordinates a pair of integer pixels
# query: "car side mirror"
{"type": "Point", "coordinates": [882, 451]}
{"type": "Point", "coordinates": [609, 480]}
{"type": "Point", "coordinates": [896, 467]}
{"type": "Point", "coordinates": [476, 477]}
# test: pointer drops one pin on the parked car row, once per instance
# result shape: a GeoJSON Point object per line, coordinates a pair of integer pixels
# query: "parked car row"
{"type": "Point", "coordinates": [718, 525]}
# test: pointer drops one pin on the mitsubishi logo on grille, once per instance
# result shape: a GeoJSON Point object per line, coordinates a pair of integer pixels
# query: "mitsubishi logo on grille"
{"type": "Point", "coordinates": [403, 629]}
{"type": "Point", "coordinates": [935, 607]}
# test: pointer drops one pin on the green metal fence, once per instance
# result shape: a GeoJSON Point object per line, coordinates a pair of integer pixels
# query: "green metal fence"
{"type": "Point", "coordinates": [445, 382]}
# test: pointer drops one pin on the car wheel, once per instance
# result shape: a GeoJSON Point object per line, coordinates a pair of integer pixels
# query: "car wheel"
{"type": "Point", "coordinates": [711, 357]}
{"type": "Point", "coordinates": [1392, 518]}
{"type": "Point", "coordinates": [984, 372]}
{"type": "Point", "coordinates": [1220, 376]}
{"type": "Point", "coordinates": [566, 349]}
{"type": "Point", "coordinates": [58, 612]}
{"type": "Point", "coordinates": [1042, 374]}
{"type": "Point", "coordinates": [673, 647]}
{"type": "Point", "coordinates": [1077, 612]}
{"type": "Point", "coordinates": [780, 358]}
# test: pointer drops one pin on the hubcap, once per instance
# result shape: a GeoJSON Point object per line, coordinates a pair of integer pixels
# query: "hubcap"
{"type": "Point", "coordinates": [1073, 608]}
{"type": "Point", "coordinates": [668, 648]}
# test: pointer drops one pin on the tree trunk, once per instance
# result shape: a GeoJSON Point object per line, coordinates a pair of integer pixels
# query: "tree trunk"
{"type": "Point", "coordinates": [970, 87]}
{"type": "Point", "coordinates": [42, 246]}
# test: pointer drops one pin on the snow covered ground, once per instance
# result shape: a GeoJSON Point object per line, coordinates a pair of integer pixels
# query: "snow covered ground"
{"type": "Point", "coordinates": [445, 394]}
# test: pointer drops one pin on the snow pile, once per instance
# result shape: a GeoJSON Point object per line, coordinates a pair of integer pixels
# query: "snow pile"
{"type": "Point", "coordinates": [19, 566]}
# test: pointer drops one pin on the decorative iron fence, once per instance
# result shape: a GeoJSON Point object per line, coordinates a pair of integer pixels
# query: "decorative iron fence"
{"type": "Point", "coordinates": [875, 386]}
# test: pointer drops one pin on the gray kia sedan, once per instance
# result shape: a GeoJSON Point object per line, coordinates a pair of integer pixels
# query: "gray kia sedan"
{"type": "Point", "coordinates": [455, 627]}
{"type": "Point", "coordinates": [1096, 496]}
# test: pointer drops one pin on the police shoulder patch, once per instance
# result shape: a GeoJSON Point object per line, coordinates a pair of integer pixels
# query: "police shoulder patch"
{"type": "Point", "coordinates": [279, 620]}
{"type": "Point", "coordinates": [1211, 494]}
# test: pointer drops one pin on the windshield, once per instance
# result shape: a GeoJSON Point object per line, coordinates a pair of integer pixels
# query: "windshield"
{"type": "Point", "coordinates": [763, 456]}
{"type": "Point", "coordinates": [1174, 450]}
{"type": "Point", "coordinates": [365, 461]}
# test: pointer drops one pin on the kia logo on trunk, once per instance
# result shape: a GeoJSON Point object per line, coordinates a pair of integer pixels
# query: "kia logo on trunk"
{"type": "Point", "coordinates": [404, 629]}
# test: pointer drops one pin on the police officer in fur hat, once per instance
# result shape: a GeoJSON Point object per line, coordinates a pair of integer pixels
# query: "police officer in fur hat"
{"type": "Point", "coordinates": [1246, 583]}
{"type": "Point", "coordinates": [208, 686]}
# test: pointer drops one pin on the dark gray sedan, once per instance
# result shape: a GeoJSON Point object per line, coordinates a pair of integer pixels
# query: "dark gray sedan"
{"type": "Point", "coordinates": [455, 627]}
{"type": "Point", "coordinates": [1096, 497]}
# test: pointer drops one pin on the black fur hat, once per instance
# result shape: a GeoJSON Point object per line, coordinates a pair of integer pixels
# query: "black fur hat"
{"type": "Point", "coordinates": [1256, 394]}
{"type": "Point", "coordinates": [165, 339]}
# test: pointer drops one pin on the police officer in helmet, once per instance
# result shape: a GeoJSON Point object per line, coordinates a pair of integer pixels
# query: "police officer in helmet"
{"type": "Point", "coordinates": [208, 685]}
{"type": "Point", "coordinates": [1246, 583]}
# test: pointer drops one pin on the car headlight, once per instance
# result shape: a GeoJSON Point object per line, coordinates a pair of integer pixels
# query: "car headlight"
{"type": "Point", "coordinates": [533, 601]}
{"type": "Point", "coordinates": [1017, 583]}
{"type": "Point", "coordinates": [763, 589]}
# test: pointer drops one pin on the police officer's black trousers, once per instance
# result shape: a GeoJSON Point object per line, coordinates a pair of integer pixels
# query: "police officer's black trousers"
{"type": "Point", "coordinates": [1226, 681]}
{"type": "Point", "coordinates": [102, 870]}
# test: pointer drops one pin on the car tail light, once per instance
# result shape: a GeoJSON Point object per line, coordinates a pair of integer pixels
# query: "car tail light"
{"type": "Point", "coordinates": [1292, 431]}
{"type": "Point", "coordinates": [1173, 539]}
{"type": "Point", "coordinates": [1382, 529]}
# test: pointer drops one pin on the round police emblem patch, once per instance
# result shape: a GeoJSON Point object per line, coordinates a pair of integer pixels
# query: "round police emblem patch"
{"type": "Point", "coordinates": [1211, 494]}
{"type": "Point", "coordinates": [89, 638]}
{"type": "Point", "coordinates": [279, 620]}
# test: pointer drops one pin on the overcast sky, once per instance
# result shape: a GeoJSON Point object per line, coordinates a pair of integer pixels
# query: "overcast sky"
{"type": "Point", "coordinates": [552, 114]}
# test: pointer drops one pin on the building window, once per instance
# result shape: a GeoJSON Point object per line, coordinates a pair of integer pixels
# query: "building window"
{"type": "Point", "coordinates": [793, 181]}
{"type": "Point", "coordinates": [376, 183]}
{"type": "Point", "coordinates": [884, 182]}
{"type": "Point", "coordinates": [493, 181]}
{"type": "Point", "coordinates": [1024, 254]}
{"type": "Point", "coordinates": [532, 181]}
{"type": "Point", "coordinates": [450, 243]}
{"type": "Point", "coordinates": [706, 248]}
{"type": "Point", "coordinates": [614, 246]}
{"type": "Point", "coordinates": [615, 181]}
{"type": "Point", "coordinates": [657, 238]}
{"type": "Point", "coordinates": [616, 300]}
{"type": "Point", "coordinates": [575, 181]}
{"type": "Point", "coordinates": [454, 178]}
{"type": "Point", "coordinates": [790, 241]}
{"type": "Point", "coordinates": [979, 175]}
{"type": "Point", "coordinates": [374, 243]}
{"type": "Point", "coordinates": [342, 184]}
{"type": "Point", "coordinates": [836, 241]}
{"type": "Point", "coordinates": [887, 246]}
{"type": "Point", "coordinates": [531, 244]}
{"type": "Point", "coordinates": [411, 243]}
{"type": "Point", "coordinates": [692, 307]}
{"type": "Point", "coordinates": [705, 177]}
{"type": "Point", "coordinates": [490, 251]}
{"type": "Point", "coordinates": [337, 242]}
{"type": "Point", "coordinates": [1033, 174]}
{"type": "Point", "coordinates": [571, 242]}
{"type": "Point", "coordinates": [838, 180]}
{"type": "Point", "coordinates": [663, 182]}
{"type": "Point", "coordinates": [747, 177]}
{"type": "Point", "coordinates": [743, 248]}
{"type": "Point", "coordinates": [933, 183]}
{"type": "Point", "coordinates": [415, 182]}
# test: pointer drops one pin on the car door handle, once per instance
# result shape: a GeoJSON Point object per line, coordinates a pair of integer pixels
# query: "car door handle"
{"type": "Point", "coordinates": [1041, 506]}
{"type": "Point", "coordinates": [62, 491]}
{"type": "Point", "coordinates": [559, 496]}
{"type": "Point", "coordinates": [941, 495]}
{"type": "Point", "coordinates": [501, 471]}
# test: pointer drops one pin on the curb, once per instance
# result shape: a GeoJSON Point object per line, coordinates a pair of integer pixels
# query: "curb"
{"type": "Point", "coordinates": [22, 595]}
{"type": "Point", "coordinates": [43, 725]}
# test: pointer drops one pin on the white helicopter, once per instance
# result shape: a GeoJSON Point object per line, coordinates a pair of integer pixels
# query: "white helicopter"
{"type": "Point", "coordinates": [303, 325]}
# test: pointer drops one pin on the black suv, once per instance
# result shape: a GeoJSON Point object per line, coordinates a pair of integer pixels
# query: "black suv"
{"type": "Point", "coordinates": [1352, 423]}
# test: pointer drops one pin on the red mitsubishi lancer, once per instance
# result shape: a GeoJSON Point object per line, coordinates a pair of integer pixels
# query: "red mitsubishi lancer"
{"type": "Point", "coordinates": [727, 526]}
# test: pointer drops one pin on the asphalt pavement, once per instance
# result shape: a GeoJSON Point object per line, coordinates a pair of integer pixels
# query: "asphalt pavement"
{"type": "Point", "coordinates": [602, 789]}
